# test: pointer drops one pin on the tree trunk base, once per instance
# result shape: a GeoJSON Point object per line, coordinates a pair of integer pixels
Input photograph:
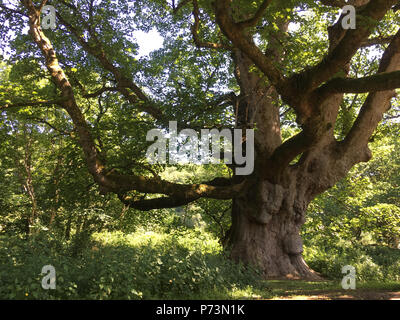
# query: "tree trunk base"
{"type": "Point", "coordinates": [284, 267]}
{"type": "Point", "coordinates": [269, 241]}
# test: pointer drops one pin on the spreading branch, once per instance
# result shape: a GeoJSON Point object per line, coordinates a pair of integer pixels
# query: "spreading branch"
{"type": "Point", "coordinates": [252, 22]}
{"type": "Point", "coordinates": [312, 78]}
{"type": "Point", "coordinates": [125, 86]}
{"type": "Point", "coordinates": [235, 33]}
{"type": "Point", "coordinates": [195, 32]}
{"type": "Point", "coordinates": [158, 203]}
{"type": "Point", "coordinates": [110, 181]}
{"type": "Point", "coordinates": [187, 194]}
{"type": "Point", "coordinates": [374, 83]}
{"type": "Point", "coordinates": [377, 103]}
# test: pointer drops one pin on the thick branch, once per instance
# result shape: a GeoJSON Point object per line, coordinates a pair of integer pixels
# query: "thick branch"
{"type": "Point", "coordinates": [158, 203]}
{"type": "Point", "coordinates": [376, 104]}
{"type": "Point", "coordinates": [235, 34]}
{"type": "Point", "coordinates": [179, 195]}
{"type": "Point", "coordinates": [374, 83]}
{"type": "Point", "coordinates": [118, 183]}
{"type": "Point", "coordinates": [285, 153]}
{"type": "Point", "coordinates": [69, 103]}
{"type": "Point", "coordinates": [367, 18]}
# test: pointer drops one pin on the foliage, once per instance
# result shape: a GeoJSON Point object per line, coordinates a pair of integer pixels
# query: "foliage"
{"type": "Point", "coordinates": [183, 264]}
{"type": "Point", "coordinates": [364, 207]}
{"type": "Point", "coordinates": [371, 262]}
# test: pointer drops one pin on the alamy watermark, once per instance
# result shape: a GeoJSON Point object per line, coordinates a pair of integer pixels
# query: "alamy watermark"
{"type": "Point", "coordinates": [49, 18]}
{"type": "Point", "coordinates": [49, 280]}
{"type": "Point", "coordinates": [186, 147]}
{"type": "Point", "coordinates": [348, 21]}
{"type": "Point", "coordinates": [349, 280]}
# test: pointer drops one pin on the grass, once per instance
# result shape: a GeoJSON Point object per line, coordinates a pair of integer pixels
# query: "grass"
{"type": "Point", "coordinates": [309, 290]}
{"type": "Point", "coordinates": [329, 289]}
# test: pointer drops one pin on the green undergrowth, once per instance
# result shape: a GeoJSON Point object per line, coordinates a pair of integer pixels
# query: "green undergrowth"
{"type": "Point", "coordinates": [180, 264]}
{"type": "Point", "coordinates": [371, 262]}
{"type": "Point", "coordinates": [184, 264]}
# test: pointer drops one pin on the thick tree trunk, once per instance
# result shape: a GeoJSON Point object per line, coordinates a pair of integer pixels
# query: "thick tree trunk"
{"type": "Point", "coordinates": [266, 220]}
{"type": "Point", "coordinates": [265, 232]}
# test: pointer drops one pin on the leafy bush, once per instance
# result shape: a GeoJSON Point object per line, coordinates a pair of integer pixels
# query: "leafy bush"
{"type": "Point", "coordinates": [145, 265]}
{"type": "Point", "coordinates": [371, 262]}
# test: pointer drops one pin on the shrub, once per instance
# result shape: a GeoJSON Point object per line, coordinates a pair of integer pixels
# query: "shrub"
{"type": "Point", "coordinates": [371, 262]}
{"type": "Point", "coordinates": [183, 264]}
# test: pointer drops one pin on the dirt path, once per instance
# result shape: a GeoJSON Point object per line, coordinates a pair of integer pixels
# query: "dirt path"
{"type": "Point", "coordinates": [344, 295]}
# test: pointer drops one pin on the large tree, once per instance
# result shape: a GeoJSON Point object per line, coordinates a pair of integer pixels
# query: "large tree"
{"type": "Point", "coordinates": [237, 64]}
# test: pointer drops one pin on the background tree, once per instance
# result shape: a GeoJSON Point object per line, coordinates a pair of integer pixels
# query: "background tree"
{"type": "Point", "coordinates": [283, 69]}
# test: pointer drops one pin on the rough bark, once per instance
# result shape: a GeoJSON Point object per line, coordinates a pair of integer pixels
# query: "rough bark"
{"type": "Point", "coordinates": [265, 232]}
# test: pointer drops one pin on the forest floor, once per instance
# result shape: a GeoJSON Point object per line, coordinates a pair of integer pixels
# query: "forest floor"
{"type": "Point", "coordinates": [341, 295]}
{"type": "Point", "coordinates": [330, 290]}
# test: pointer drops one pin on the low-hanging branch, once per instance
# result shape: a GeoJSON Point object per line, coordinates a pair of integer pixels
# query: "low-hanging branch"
{"type": "Point", "coordinates": [374, 83]}
{"type": "Point", "coordinates": [179, 195]}
{"type": "Point", "coordinates": [158, 203]}
{"type": "Point", "coordinates": [120, 183]}
{"type": "Point", "coordinates": [110, 181]}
